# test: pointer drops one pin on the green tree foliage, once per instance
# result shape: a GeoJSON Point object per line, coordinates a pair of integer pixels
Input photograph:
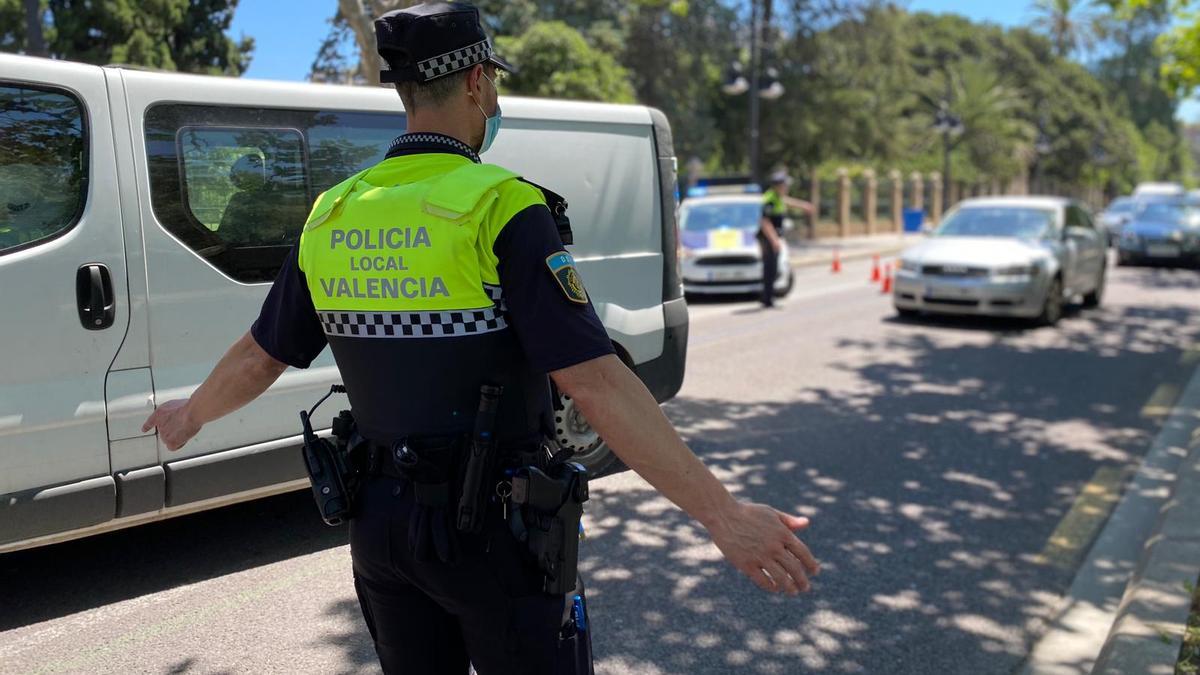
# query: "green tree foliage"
{"type": "Point", "coordinates": [556, 61]}
{"type": "Point", "coordinates": [184, 35]}
{"type": "Point", "coordinates": [1180, 46]}
{"type": "Point", "coordinates": [1068, 23]}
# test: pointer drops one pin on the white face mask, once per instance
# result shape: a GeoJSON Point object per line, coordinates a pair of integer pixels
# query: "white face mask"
{"type": "Point", "coordinates": [491, 125]}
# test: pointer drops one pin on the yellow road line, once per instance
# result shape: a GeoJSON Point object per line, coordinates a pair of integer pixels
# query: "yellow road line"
{"type": "Point", "coordinates": [1091, 509]}
{"type": "Point", "coordinates": [1162, 401]}
{"type": "Point", "coordinates": [1191, 357]}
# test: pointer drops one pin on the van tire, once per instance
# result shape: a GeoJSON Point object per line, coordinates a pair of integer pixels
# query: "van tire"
{"type": "Point", "coordinates": [571, 430]}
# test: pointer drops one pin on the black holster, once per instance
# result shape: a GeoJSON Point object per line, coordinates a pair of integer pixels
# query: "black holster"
{"type": "Point", "coordinates": [431, 467]}
{"type": "Point", "coordinates": [547, 507]}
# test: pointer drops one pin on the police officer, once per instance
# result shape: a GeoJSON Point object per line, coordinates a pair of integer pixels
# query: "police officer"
{"type": "Point", "coordinates": [775, 204]}
{"type": "Point", "coordinates": [426, 275]}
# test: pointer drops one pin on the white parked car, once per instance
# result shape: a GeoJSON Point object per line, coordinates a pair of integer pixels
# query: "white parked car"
{"type": "Point", "coordinates": [719, 249]}
{"type": "Point", "coordinates": [1005, 256]}
{"type": "Point", "coordinates": [143, 216]}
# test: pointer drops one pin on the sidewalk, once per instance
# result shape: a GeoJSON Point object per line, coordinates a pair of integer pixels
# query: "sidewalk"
{"type": "Point", "coordinates": [1126, 611]}
{"type": "Point", "coordinates": [816, 252]}
{"type": "Point", "coordinates": [1148, 632]}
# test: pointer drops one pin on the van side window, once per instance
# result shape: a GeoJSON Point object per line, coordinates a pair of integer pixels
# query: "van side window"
{"type": "Point", "coordinates": [236, 184]}
{"type": "Point", "coordinates": [245, 185]}
{"type": "Point", "coordinates": [44, 166]}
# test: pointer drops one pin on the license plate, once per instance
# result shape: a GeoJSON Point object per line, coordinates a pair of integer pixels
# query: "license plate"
{"type": "Point", "coordinates": [725, 275]}
{"type": "Point", "coordinates": [1162, 251]}
{"type": "Point", "coordinates": [934, 290]}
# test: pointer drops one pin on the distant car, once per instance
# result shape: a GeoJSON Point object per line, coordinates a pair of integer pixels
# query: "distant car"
{"type": "Point", "coordinates": [1158, 190]}
{"type": "Point", "coordinates": [1113, 218]}
{"type": "Point", "coordinates": [1005, 256]}
{"type": "Point", "coordinates": [720, 252]}
{"type": "Point", "coordinates": [1161, 232]}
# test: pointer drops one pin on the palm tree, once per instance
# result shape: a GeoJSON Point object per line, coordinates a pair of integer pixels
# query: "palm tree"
{"type": "Point", "coordinates": [1067, 23]}
{"type": "Point", "coordinates": [988, 132]}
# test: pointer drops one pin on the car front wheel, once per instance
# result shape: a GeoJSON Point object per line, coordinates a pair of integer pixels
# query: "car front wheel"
{"type": "Point", "coordinates": [1093, 299]}
{"type": "Point", "coordinates": [1052, 307]}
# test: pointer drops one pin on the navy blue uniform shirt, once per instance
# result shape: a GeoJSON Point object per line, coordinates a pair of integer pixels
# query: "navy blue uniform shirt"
{"type": "Point", "coordinates": [553, 332]}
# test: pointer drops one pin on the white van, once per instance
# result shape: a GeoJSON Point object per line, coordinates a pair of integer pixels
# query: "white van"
{"type": "Point", "coordinates": [132, 256]}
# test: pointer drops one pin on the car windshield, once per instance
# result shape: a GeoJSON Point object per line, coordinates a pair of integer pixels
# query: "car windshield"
{"type": "Point", "coordinates": [704, 217]}
{"type": "Point", "coordinates": [1022, 222]}
{"type": "Point", "coordinates": [1168, 212]}
{"type": "Point", "coordinates": [1122, 205]}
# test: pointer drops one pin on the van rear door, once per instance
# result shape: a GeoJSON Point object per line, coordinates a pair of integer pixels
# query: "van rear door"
{"type": "Point", "coordinates": [64, 299]}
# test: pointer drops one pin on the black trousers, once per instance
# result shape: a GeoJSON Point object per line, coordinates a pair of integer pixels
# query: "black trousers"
{"type": "Point", "coordinates": [770, 263]}
{"type": "Point", "coordinates": [432, 618]}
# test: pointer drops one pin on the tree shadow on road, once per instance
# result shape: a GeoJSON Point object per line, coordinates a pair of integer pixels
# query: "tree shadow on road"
{"type": "Point", "coordinates": [934, 480]}
{"type": "Point", "coordinates": [1164, 278]}
{"type": "Point", "coordinates": [934, 484]}
{"type": "Point", "coordinates": [55, 581]}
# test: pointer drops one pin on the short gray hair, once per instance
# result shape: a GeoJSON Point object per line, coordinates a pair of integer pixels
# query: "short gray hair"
{"type": "Point", "coordinates": [433, 93]}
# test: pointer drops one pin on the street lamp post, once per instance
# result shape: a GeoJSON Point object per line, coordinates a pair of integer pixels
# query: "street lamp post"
{"type": "Point", "coordinates": [949, 126]}
{"type": "Point", "coordinates": [755, 39]}
{"type": "Point", "coordinates": [737, 83]}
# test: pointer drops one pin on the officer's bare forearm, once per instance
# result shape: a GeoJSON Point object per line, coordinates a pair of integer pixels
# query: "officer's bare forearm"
{"type": "Point", "coordinates": [245, 372]}
{"type": "Point", "coordinates": [622, 411]}
{"type": "Point", "coordinates": [798, 204]}
{"type": "Point", "coordinates": [768, 230]}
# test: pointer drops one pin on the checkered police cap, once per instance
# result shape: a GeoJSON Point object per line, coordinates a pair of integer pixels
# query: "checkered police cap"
{"type": "Point", "coordinates": [427, 41]}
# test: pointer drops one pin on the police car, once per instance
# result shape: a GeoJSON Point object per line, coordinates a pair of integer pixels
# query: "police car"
{"type": "Point", "coordinates": [719, 246]}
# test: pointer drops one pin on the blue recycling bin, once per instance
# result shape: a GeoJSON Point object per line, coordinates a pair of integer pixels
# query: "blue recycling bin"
{"type": "Point", "coordinates": [913, 219]}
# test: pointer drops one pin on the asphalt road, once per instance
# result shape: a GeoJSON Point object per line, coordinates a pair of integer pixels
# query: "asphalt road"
{"type": "Point", "coordinates": [936, 459]}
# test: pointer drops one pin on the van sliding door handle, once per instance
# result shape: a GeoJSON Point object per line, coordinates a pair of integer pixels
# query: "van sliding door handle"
{"type": "Point", "coordinates": [94, 294]}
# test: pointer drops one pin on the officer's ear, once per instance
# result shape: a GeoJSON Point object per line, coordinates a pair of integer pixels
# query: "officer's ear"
{"type": "Point", "coordinates": [475, 83]}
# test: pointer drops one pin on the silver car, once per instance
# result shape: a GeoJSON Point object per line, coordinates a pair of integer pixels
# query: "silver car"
{"type": "Point", "coordinates": [1005, 256]}
{"type": "Point", "coordinates": [719, 248]}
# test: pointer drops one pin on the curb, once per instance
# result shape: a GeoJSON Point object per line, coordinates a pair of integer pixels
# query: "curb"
{"type": "Point", "coordinates": [1148, 632]}
{"type": "Point", "coordinates": [1111, 616]}
{"type": "Point", "coordinates": [817, 261]}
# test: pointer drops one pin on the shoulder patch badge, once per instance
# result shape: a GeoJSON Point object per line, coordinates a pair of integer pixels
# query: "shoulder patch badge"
{"type": "Point", "coordinates": [562, 266]}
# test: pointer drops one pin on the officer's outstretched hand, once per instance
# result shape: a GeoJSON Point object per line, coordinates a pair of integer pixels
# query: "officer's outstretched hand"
{"type": "Point", "coordinates": [174, 424]}
{"type": "Point", "coordinates": [760, 542]}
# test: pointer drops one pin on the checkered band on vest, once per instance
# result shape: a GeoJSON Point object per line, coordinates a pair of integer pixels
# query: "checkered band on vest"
{"type": "Point", "coordinates": [433, 139]}
{"type": "Point", "coordinates": [497, 295]}
{"type": "Point", "coordinates": [455, 323]}
{"type": "Point", "coordinates": [456, 60]}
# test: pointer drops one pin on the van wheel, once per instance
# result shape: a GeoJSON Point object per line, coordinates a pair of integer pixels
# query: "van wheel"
{"type": "Point", "coordinates": [1052, 307]}
{"type": "Point", "coordinates": [1092, 300]}
{"type": "Point", "coordinates": [573, 431]}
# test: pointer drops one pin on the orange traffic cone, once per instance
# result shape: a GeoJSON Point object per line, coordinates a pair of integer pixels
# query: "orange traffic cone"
{"type": "Point", "coordinates": [887, 279]}
{"type": "Point", "coordinates": [837, 261]}
{"type": "Point", "coordinates": [875, 275]}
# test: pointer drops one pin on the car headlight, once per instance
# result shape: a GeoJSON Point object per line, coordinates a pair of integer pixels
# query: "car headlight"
{"type": "Point", "coordinates": [1015, 271]}
{"type": "Point", "coordinates": [685, 253]}
{"type": "Point", "coordinates": [1176, 236]}
{"type": "Point", "coordinates": [909, 265]}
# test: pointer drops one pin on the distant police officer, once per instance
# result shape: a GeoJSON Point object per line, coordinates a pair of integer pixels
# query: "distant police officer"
{"type": "Point", "coordinates": [429, 274]}
{"type": "Point", "coordinates": [770, 233]}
